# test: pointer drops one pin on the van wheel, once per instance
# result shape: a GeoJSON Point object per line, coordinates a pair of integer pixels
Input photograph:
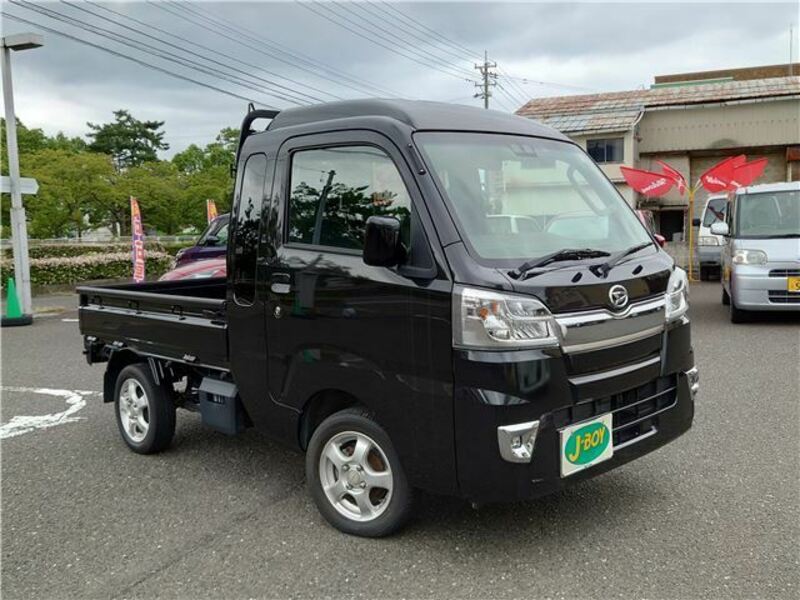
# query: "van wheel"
{"type": "Point", "coordinates": [738, 315]}
{"type": "Point", "coordinates": [726, 299]}
{"type": "Point", "coordinates": [355, 476]}
{"type": "Point", "coordinates": [145, 411]}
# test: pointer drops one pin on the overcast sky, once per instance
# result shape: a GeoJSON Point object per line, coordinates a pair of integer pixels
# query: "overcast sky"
{"type": "Point", "coordinates": [573, 48]}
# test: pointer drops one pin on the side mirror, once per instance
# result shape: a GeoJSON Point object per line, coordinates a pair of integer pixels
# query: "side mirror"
{"type": "Point", "coordinates": [720, 228]}
{"type": "Point", "coordinates": [696, 222]}
{"type": "Point", "coordinates": [382, 246]}
{"type": "Point", "coordinates": [660, 239]}
{"type": "Point", "coordinates": [211, 240]}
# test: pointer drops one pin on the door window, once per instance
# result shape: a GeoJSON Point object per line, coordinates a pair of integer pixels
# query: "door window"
{"type": "Point", "coordinates": [248, 220]}
{"type": "Point", "coordinates": [333, 191]}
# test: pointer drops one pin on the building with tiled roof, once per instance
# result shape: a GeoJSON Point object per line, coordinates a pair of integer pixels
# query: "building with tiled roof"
{"type": "Point", "coordinates": [690, 121]}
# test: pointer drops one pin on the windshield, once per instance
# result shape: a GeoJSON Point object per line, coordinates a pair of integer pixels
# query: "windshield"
{"type": "Point", "coordinates": [715, 211]}
{"type": "Point", "coordinates": [218, 228]}
{"type": "Point", "coordinates": [517, 198]}
{"type": "Point", "coordinates": [768, 214]}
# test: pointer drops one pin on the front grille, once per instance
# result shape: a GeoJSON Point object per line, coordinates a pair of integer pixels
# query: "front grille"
{"type": "Point", "coordinates": [635, 412]}
{"type": "Point", "coordinates": [784, 273]}
{"type": "Point", "coordinates": [784, 297]}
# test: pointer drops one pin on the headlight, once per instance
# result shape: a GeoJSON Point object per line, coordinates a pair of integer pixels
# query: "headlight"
{"type": "Point", "coordinates": [677, 295]}
{"type": "Point", "coordinates": [749, 257]}
{"type": "Point", "coordinates": [707, 241]}
{"type": "Point", "coordinates": [488, 320]}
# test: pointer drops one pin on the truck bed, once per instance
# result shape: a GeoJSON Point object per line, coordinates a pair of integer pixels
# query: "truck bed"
{"type": "Point", "coordinates": [177, 320]}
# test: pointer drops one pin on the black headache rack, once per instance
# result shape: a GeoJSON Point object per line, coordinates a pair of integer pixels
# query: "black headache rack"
{"type": "Point", "coordinates": [183, 321]}
{"type": "Point", "coordinates": [252, 115]}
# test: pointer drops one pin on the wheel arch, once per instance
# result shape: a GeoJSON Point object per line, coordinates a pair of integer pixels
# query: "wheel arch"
{"type": "Point", "coordinates": [118, 360]}
{"type": "Point", "coordinates": [319, 407]}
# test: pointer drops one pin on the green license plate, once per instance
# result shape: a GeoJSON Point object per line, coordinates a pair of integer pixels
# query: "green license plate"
{"type": "Point", "coordinates": [586, 444]}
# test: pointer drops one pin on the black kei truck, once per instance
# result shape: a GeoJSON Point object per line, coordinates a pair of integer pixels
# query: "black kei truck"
{"type": "Point", "coordinates": [418, 295]}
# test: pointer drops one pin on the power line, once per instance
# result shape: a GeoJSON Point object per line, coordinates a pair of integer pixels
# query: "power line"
{"type": "Point", "coordinates": [294, 56]}
{"type": "Point", "coordinates": [438, 59]}
{"type": "Point", "coordinates": [126, 57]}
{"type": "Point", "coordinates": [437, 34]}
{"type": "Point", "coordinates": [181, 49]}
{"type": "Point", "coordinates": [380, 11]}
{"type": "Point", "coordinates": [154, 51]}
{"type": "Point", "coordinates": [168, 8]}
{"type": "Point", "coordinates": [373, 40]}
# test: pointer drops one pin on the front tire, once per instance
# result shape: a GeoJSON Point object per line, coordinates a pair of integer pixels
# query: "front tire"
{"type": "Point", "coordinates": [726, 299]}
{"type": "Point", "coordinates": [145, 410]}
{"type": "Point", "coordinates": [355, 477]}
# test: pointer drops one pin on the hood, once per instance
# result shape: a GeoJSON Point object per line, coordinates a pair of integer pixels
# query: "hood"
{"type": "Point", "coordinates": [572, 287]}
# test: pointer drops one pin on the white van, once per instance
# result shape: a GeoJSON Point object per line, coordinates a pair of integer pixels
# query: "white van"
{"type": "Point", "coordinates": [709, 246]}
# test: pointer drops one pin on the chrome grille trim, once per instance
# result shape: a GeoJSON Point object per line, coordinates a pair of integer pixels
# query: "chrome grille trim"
{"type": "Point", "coordinates": [592, 377]}
{"type": "Point", "coordinates": [590, 330]}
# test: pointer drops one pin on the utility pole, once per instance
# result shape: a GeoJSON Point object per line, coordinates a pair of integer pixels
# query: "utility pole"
{"type": "Point", "coordinates": [19, 229]}
{"type": "Point", "coordinates": [488, 79]}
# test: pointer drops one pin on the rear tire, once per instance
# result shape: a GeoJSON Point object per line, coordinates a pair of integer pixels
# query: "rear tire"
{"type": "Point", "coordinates": [726, 299]}
{"type": "Point", "coordinates": [145, 410]}
{"type": "Point", "coordinates": [705, 273]}
{"type": "Point", "coordinates": [355, 477]}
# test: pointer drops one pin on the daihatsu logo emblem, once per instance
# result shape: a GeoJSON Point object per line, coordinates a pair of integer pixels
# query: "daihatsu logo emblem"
{"type": "Point", "coordinates": [618, 296]}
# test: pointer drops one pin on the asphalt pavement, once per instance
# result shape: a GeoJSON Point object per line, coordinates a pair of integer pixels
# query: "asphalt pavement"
{"type": "Point", "coordinates": [716, 514]}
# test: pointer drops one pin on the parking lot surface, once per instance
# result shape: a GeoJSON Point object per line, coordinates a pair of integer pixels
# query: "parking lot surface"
{"type": "Point", "coordinates": [715, 514]}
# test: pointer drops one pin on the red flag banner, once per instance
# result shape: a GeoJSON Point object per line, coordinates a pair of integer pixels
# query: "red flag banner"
{"type": "Point", "coordinates": [648, 183]}
{"type": "Point", "coordinates": [211, 210]}
{"type": "Point", "coordinates": [137, 236]}
{"type": "Point", "coordinates": [747, 173]}
{"type": "Point", "coordinates": [675, 174]}
{"type": "Point", "coordinates": [718, 178]}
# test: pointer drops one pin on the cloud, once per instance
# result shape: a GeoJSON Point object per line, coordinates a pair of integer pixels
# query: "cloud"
{"type": "Point", "coordinates": [597, 46]}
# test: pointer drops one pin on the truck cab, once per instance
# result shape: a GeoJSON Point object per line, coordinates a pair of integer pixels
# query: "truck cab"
{"type": "Point", "coordinates": [380, 315]}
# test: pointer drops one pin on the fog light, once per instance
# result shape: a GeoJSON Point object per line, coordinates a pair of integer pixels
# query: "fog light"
{"type": "Point", "coordinates": [693, 378]}
{"type": "Point", "coordinates": [516, 441]}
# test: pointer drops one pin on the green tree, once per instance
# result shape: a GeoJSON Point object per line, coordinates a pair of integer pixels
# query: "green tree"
{"type": "Point", "coordinates": [129, 141]}
{"type": "Point", "coordinates": [71, 187]}
{"type": "Point", "coordinates": [159, 189]}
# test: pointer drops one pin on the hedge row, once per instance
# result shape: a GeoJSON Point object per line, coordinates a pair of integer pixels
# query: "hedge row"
{"type": "Point", "coordinates": [77, 269]}
{"type": "Point", "coordinates": [68, 250]}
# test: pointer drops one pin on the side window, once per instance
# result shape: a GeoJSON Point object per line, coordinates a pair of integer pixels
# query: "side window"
{"type": "Point", "coordinates": [333, 191]}
{"type": "Point", "coordinates": [245, 235]}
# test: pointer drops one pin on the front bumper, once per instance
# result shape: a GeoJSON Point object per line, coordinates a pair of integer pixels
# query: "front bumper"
{"type": "Point", "coordinates": [709, 255]}
{"type": "Point", "coordinates": [652, 406]}
{"type": "Point", "coordinates": [763, 287]}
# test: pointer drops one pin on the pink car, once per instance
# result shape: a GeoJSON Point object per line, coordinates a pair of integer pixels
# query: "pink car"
{"type": "Point", "coordinates": [200, 269]}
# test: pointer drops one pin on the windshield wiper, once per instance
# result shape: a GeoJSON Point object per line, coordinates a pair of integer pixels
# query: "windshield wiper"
{"type": "Point", "coordinates": [567, 254]}
{"type": "Point", "coordinates": [783, 236]}
{"type": "Point", "coordinates": [603, 269]}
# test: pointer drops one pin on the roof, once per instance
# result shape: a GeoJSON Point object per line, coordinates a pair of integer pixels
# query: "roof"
{"type": "Point", "coordinates": [417, 114]}
{"type": "Point", "coordinates": [618, 111]}
{"type": "Point", "coordinates": [770, 187]}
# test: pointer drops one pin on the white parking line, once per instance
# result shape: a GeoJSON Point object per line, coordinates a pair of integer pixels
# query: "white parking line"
{"type": "Point", "coordinates": [19, 425]}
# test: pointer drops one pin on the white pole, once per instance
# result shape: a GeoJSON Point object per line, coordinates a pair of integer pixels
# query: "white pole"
{"type": "Point", "coordinates": [19, 227]}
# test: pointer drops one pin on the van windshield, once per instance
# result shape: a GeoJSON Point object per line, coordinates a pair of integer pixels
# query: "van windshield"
{"type": "Point", "coordinates": [768, 214]}
{"type": "Point", "coordinates": [516, 197]}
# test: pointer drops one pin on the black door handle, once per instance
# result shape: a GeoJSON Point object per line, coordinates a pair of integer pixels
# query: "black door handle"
{"type": "Point", "coordinates": [280, 283]}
